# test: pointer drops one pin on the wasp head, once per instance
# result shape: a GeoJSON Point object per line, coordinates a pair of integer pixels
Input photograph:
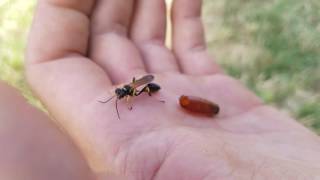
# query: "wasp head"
{"type": "Point", "coordinates": [120, 92]}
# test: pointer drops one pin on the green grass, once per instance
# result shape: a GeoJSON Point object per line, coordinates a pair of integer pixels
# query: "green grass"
{"type": "Point", "coordinates": [274, 48]}
{"type": "Point", "coordinates": [15, 20]}
{"type": "Point", "coordinates": [271, 46]}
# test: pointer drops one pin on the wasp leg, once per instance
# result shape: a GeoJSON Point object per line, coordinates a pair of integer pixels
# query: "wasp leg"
{"type": "Point", "coordinates": [117, 109]}
{"type": "Point", "coordinates": [150, 94]}
{"type": "Point", "coordinates": [148, 91]}
{"type": "Point", "coordinates": [137, 93]}
{"type": "Point", "coordinates": [144, 89]}
{"type": "Point", "coordinates": [128, 99]}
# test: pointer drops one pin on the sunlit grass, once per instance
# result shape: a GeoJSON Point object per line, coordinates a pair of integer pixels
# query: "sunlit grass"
{"type": "Point", "coordinates": [15, 19]}
{"type": "Point", "coordinates": [272, 46]}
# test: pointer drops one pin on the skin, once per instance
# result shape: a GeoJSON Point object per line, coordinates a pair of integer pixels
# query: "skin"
{"type": "Point", "coordinates": [80, 50]}
{"type": "Point", "coordinates": [32, 145]}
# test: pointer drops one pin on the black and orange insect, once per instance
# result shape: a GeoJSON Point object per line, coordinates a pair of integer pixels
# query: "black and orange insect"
{"type": "Point", "coordinates": [130, 90]}
{"type": "Point", "coordinates": [199, 105]}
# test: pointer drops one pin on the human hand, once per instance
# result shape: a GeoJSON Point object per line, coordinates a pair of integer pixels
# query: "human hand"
{"type": "Point", "coordinates": [32, 147]}
{"type": "Point", "coordinates": [80, 50]}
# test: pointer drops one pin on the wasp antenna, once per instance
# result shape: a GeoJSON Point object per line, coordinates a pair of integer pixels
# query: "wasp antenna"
{"type": "Point", "coordinates": [107, 99]}
{"type": "Point", "coordinates": [117, 109]}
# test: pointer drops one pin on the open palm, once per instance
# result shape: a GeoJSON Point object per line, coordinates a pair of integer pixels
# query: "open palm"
{"type": "Point", "coordinates": [79, 51]}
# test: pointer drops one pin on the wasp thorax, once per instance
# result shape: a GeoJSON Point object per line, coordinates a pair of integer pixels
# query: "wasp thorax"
{"type": "Point", "coordinates": [127, 87]}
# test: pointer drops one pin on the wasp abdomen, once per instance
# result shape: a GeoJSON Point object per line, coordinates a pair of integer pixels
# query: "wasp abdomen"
{"type": "Point", "coordinates": [153, 87]}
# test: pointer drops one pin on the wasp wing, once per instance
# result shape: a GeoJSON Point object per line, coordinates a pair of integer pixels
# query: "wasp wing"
{"type": "Point", "coordinates": [142, 81]}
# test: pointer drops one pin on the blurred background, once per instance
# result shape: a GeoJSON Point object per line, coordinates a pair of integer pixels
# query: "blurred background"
{"type": "Point", "coordinates": [271, 46]}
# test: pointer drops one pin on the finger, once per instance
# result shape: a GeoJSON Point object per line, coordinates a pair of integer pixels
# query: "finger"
{"type": "Point", "coordinates": [148, 31]}
{"type": "Point", "coordinates": [60, 29]}
{"type": "Point", "coordinates": [70, 88]}
{"type": "Point", "coordinates": [32, 145]}
{"type": "Point", "coordinates": [65, 81]}
{"type": "Point", "coordinates": [110, 46]}
{"type": "Point", "coordinates": [189, 43]}
{"type": "Point", "coordinates": [59, 36]}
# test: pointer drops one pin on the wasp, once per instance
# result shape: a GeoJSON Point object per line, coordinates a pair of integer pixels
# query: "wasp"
{"type": "Point", "coordinates": [130, 90]}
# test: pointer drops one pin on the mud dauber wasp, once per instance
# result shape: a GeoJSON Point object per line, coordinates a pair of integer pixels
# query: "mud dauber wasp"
{"type": "Point", "coordinates": [130, 90]}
